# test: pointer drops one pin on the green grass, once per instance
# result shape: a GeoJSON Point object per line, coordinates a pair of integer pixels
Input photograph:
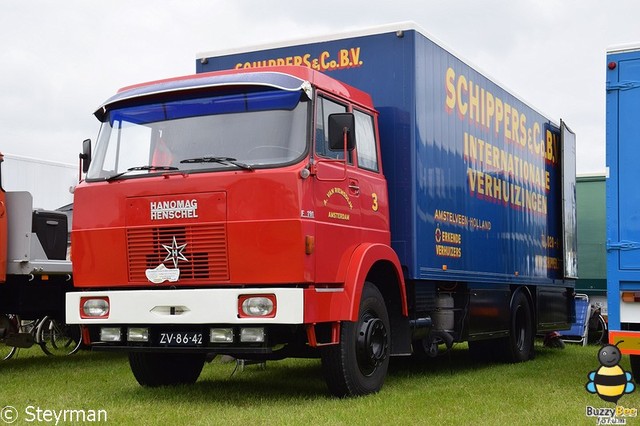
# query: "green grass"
{"type": "Point", "coordinates": [448, 390]}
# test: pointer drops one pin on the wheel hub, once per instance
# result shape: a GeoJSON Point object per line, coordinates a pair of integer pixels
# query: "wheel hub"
{"type": "Point", "coordinates": [372, 345]}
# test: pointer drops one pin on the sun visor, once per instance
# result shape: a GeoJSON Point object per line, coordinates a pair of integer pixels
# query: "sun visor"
{"type": "Point", "coordinates": [273, 80]}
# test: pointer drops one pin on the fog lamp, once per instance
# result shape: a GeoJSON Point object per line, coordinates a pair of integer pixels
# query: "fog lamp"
{"type": "Point", "coordinates": [221, 335]}
{"type": "Point", "coordinates": [110, 334]}
{"type": "Point", "coordinates": [138, 334]}
{"type": "Point", "coordinates": [252, 335]}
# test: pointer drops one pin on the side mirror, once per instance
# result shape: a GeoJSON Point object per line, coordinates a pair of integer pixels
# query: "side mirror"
{"type": "Point", "coordinates": [341, 125]}
{"type": "Point", "coordinates": [85, 156]}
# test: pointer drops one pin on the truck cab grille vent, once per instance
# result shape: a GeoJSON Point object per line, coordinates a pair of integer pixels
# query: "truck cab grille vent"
{"type": "Point", "coordinates": [203, 246]}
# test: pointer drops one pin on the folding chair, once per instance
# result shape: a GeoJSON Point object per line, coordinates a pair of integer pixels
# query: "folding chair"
{"type": "Point", "coordinates": [579, 330]}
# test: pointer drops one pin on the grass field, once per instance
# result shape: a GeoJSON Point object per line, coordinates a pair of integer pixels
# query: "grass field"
{"type": "Point", "coordinates": [451, 389]}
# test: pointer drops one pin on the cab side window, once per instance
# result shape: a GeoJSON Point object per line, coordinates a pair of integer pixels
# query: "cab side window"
{"type": "Point", "coordinates": [324, 108]}
{"type": "Point", "coordinates": [366, 141]}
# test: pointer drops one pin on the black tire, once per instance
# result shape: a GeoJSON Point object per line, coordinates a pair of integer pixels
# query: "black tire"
{"type": "Point", "coordinates": [153, 369]}
{"type": "Point", "coordinates": [635, 368]}
{"type": "Point", "coordinates": [518, 347]}
{"type": "Point", "coordinates": [358, 364]}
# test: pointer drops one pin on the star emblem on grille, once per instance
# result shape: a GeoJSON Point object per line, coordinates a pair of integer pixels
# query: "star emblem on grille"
{"type": "Point", "coordinates": [175, 252]}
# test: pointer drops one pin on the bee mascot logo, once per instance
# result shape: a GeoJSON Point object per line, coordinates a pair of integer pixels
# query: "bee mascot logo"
{"type": "Point", "coordinates": [610, 381]}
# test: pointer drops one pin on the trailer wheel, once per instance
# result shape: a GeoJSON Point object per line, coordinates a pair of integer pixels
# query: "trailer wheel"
{"type": "Point", "coordinates": [635, 367]}
{"type": "Point", "coordinates": [358, 364]}
{"type": "Point", "coordinates": [154, 369]}
{"type": "Point", "coordinates": [518, 347]}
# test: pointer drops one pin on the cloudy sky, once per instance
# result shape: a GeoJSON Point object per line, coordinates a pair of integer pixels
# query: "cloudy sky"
{"type": "Point", "coordinates": [60, 59]}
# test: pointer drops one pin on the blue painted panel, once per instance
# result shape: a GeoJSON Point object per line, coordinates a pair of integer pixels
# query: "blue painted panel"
{"type": "Point", "coordinates": [473, 172]}
{"type": "Point", "coordinates": [622, 195]}
{"type": "Point", "coordinates": [628, 170]}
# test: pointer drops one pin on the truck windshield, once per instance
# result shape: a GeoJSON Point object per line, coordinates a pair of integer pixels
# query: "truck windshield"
{"type": "Point", "coordinates": [239, 131]}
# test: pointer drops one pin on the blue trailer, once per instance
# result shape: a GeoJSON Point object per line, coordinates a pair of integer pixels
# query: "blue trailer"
{"type": "Point", "coordinates": [623, 201]}
{"type": "Point", "coordinates": [461, 156]}
{"type": "Point", "coordinates": [372, 195]}
{"type": "Point", "coordinates": [481, 185]}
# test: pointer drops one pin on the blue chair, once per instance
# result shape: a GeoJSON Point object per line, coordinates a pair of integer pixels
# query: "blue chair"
{"type": "Point", "coordinates": [578, 333]}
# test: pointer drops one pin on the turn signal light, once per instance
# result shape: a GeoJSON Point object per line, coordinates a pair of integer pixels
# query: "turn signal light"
{"type": "Point", "coordinates": [309, 244]}
{"type": "Point", "coordinates": [631, 296]}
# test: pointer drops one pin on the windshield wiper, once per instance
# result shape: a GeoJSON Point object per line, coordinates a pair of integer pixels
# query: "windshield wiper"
{"type": "Point", "coordinates": [142, 168]}
{"type": "Point", "coordinates": [219, 160]}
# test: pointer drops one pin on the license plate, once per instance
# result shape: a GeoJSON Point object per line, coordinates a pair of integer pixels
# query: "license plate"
{"type": "Point", "coordinates": [188, 338]}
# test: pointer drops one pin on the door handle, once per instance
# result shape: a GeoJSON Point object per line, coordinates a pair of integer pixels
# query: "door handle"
{"type": "Point", "coordinates": [354, 188]}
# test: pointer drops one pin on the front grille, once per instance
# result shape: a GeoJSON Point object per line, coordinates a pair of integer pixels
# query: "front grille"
{"type": "Point", "coordinates": [205, 251]}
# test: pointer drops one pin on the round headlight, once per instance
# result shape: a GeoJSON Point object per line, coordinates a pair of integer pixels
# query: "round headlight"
{"type": "Point", "coordinates": [257, 306]}
{"type": "Point", "coordinates": [95, 307]}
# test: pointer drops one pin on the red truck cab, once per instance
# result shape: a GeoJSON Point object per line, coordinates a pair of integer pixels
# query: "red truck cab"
{"type": "Point", "coordinates": [220, 215]}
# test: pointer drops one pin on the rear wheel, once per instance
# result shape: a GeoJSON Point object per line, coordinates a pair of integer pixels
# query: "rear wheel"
{"type": "Point", "coordinates": [518, 347]}
{"type": "Point", "coordinates": [154, 369]}
{"type": "Point", "coordinates": [358, 364]}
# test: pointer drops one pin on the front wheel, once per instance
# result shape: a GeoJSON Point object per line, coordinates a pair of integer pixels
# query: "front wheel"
{"type": "Point", "coordinates": [358, 364]}
{"type": "Point", "coordinates": [155, 369]}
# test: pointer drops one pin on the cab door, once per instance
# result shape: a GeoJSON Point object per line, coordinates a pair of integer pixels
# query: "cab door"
{"type": "Point", "coordinates": [336, 198]}
{"type": "Point", "coordinates": [371, 183]}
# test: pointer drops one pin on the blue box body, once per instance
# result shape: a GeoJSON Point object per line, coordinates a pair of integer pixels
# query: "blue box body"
{"type": "Point", "coordinates": [446, 223]}
{"type": "Point", "coordinates": [622, 193]}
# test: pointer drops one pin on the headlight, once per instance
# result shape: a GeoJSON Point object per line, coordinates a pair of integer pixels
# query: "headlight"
{"type": "Point", "coordinates": [257, 306]}
{"type": "Point", "coordinates": [94, 307]}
